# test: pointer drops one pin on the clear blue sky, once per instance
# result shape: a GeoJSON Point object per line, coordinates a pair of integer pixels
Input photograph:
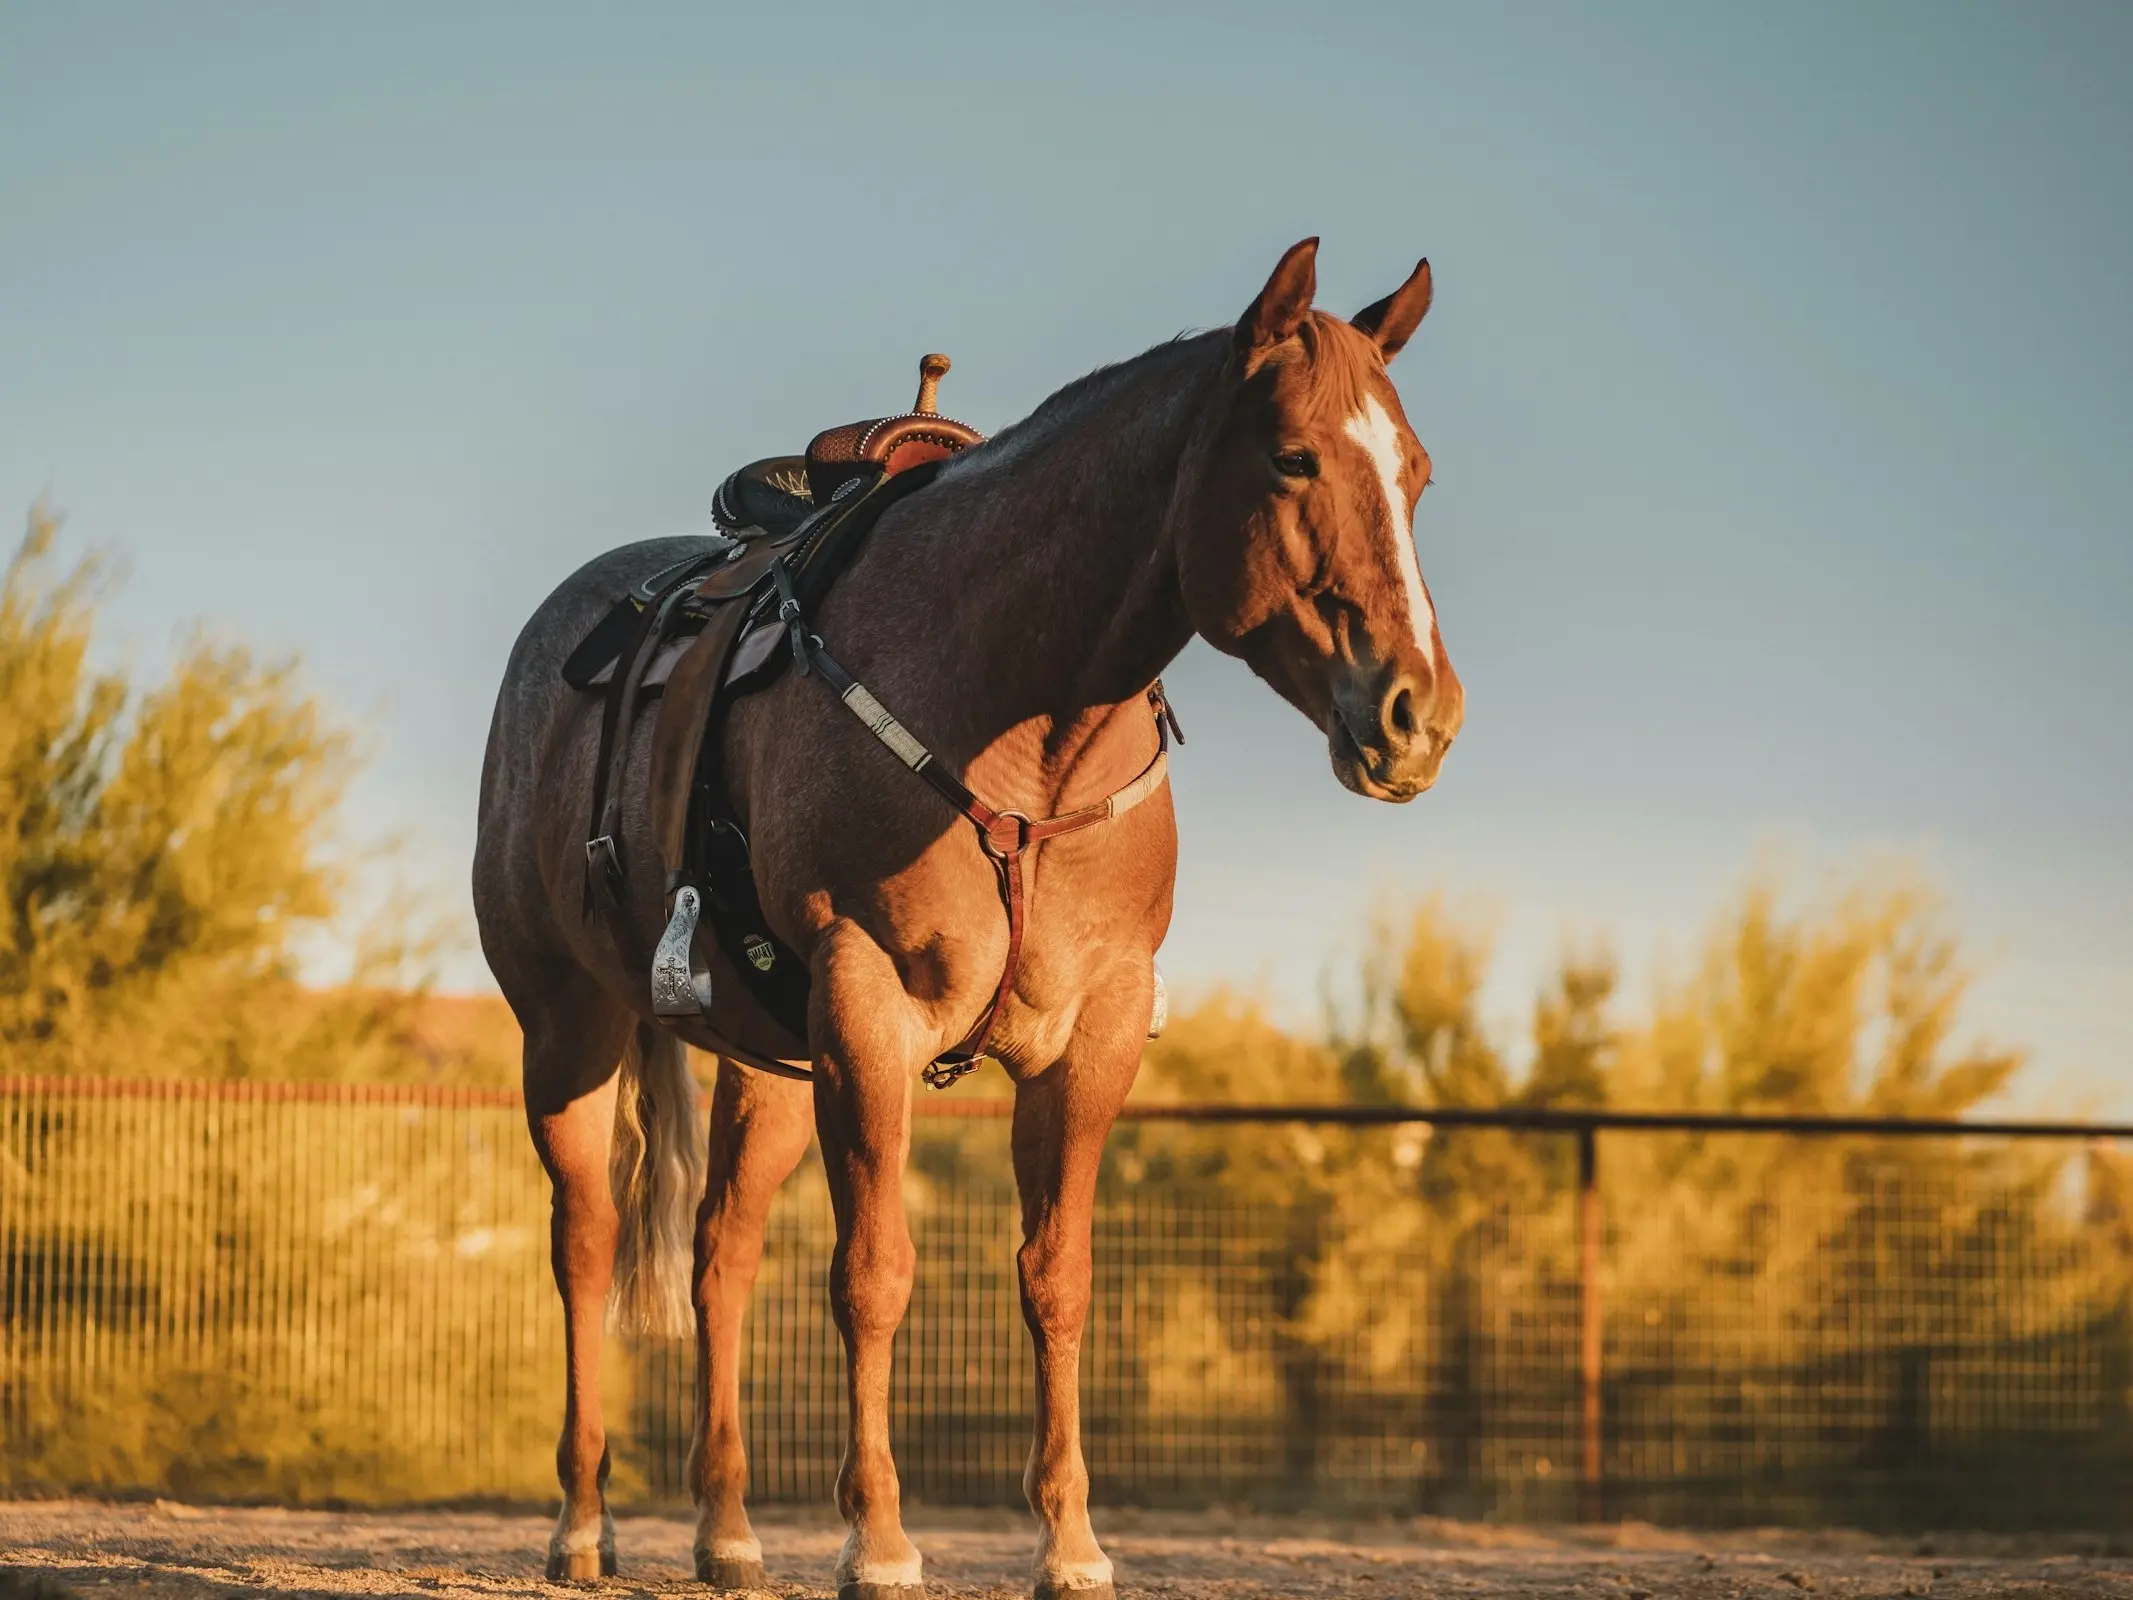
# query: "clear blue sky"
{"type": "Point", "coordinates": [1780, 387]}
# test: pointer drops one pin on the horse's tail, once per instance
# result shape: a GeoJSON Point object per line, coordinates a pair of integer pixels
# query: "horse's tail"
{"type": "Point", "coordinates": [657, 1172]}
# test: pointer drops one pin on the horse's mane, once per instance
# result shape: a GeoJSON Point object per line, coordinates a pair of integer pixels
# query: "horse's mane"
{"type": "Point", "coordinates": [1078, 401]}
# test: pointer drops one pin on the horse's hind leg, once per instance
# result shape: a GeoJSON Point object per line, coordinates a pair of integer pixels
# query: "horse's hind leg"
{"type": "Point", "coordinates": [571, 1054]}
{"type": "Point", "coordinates": [760, 1126]}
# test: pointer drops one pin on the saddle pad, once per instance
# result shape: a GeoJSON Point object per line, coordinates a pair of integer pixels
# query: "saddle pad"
{"type": "Point", "coordinates": [593, 661]}
{"type": "Point", "coordinates": [597, 658]}
{"type": "Point", "coordinates": [755, 650]}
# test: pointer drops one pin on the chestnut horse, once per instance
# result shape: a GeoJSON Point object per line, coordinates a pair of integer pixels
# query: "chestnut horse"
{"type": "Point", "coordinates": [1253, 485]}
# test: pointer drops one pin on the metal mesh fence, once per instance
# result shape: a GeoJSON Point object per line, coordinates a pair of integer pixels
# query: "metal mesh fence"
{"type": "Point", "coordinates": [264, 1292]}
{"type": "Point", "coordinates": [319, 1293]}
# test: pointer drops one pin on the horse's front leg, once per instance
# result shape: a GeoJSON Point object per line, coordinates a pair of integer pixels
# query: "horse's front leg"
{"type": "Point", "coordinates": [864, 1065]}
{"type": "Point", "coordinates": [759, 1130]}
{"type": "Point", "coordinates": [1062, 1116]}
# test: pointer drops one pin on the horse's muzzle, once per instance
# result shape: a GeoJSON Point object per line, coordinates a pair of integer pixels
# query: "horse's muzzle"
{"type": "Point", "coordinates": [1387, 733]}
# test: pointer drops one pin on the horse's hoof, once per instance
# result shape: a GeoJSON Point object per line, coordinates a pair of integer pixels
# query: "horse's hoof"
{"type": "Point", "coordinates": [881, 1591]}
{"type": "Point", "coordinates": [580, 1566]}
{"type": "Point", "coordinates": [1048, 1590]}
{"type": "Point", "coordinates": [724, 1572]}
{"type": "Point", "coordinates": [581, 1555]}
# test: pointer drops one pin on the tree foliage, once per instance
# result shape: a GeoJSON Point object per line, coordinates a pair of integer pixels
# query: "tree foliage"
{"type": "Point", "coordinates": [165, 849]}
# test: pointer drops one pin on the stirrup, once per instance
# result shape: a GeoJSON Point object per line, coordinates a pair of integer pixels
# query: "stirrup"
{"type": "Point", "coordinates": [681, 984]}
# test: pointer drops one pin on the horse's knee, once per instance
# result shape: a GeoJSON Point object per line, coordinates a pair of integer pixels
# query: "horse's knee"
{"type": "Point", "coordinates": [729, 1253]}
{"type": "Point", "coordinates": [871, 1278]}
{"type": "Point", "coordinates": [1055, 1281]}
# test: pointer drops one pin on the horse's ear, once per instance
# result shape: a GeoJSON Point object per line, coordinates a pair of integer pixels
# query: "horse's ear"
{"type": "Point", "coordinates": [1393, 320]}
{"type": "Point", "coordinates": [1281, 305]}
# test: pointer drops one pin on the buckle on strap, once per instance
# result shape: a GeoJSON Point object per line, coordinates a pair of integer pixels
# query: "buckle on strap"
{"type": "Point", "coordinates": [1165, 716]}
{"type": "Point", "coordinates": [789, 614]}
{"type": "Point", "coordinates": [601, 852]}
{"type": "Point", "coordinates": [948, 1069]}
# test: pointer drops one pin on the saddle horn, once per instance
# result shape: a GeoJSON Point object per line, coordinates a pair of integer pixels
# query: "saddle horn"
{"type": "Point", "coordinates": [931, 369]}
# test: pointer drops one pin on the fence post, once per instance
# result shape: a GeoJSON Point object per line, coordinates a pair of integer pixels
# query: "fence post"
{"type": "Point", "coordinates": [1589, 1318]}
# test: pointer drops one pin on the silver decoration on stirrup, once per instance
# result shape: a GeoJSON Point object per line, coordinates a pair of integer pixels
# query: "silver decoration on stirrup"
{"type": "Point", "coordinates": [1159, 1018]}
{"type": "Point", "coordinates": [681, 985]}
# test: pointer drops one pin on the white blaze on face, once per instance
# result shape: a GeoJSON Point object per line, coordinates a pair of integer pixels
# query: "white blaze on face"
{"type": "Point", "coordinates": [1373, 429]}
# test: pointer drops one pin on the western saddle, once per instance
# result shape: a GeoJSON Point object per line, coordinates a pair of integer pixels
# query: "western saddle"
{"type": "Point", "coordinates": [726, 622]}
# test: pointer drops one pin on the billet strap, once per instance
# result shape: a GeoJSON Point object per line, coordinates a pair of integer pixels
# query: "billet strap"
{"type": "Point", "coordinates": [1006, 835]}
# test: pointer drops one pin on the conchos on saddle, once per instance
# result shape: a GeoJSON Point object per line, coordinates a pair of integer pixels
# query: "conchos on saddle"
{"type": "Point", "coordinates": [870, 785]}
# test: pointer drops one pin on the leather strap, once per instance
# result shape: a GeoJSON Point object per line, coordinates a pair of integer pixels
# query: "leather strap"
{"type": "Point", "coordinates": [602, 853]}
{"type": "Point", "coordinates": [604, 870]}
{"type": "Point", "coordinates": [1006, 836]}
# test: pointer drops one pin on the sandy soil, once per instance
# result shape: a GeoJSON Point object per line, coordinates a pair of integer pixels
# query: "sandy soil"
{"type": "Point", "coordinates": [171, 1552]}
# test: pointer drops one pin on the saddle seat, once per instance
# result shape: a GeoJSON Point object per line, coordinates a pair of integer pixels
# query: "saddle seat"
{"type": "Point", "coordinates": [770, 498]}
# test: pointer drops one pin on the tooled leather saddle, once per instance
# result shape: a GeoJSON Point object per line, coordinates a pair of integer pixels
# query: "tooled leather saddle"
{"type": "Point", "coordinates": [689, 640]}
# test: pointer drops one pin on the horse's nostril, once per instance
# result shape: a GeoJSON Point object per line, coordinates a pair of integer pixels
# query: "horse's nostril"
{"type": "Point", "coordinates": [1400, 712]}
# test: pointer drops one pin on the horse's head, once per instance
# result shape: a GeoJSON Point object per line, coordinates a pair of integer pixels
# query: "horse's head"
{"type": "Point", "coordinates": [1296, 545]}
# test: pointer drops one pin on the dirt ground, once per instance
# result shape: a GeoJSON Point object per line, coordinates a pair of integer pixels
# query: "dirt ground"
{"type": "Point", "coordinates": [172, 1552]}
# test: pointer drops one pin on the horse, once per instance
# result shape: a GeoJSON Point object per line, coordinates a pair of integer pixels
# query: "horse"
{"type": "Point", "coordinates": [1254, 485]}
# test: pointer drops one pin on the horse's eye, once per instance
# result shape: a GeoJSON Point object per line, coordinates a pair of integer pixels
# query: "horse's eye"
{"type": "Point", "coordinates": [1296, 464]}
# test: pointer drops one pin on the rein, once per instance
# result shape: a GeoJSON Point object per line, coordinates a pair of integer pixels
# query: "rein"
{"type": "Point", "coordinates": [1006, 836]}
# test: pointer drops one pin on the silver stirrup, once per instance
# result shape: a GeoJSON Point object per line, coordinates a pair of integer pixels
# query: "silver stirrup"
{"type": "Point", "coordinates": [1159, 1019]}
{"type": "Point", "coordinates": [681, 985]}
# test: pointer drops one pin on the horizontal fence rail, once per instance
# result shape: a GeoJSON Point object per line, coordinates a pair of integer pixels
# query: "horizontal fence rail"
{"type": "Point", "coordinates": [322, 1292]}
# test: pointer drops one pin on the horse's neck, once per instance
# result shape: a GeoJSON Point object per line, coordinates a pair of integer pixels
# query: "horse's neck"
{"type": "Point", "coordinates": [1034, 598]}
